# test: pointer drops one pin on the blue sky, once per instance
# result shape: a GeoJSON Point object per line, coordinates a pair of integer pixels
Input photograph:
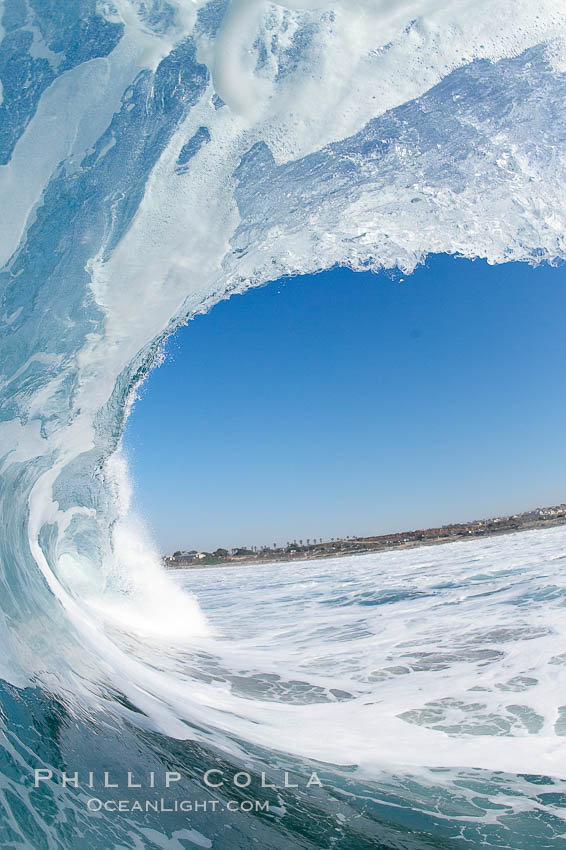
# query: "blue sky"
{"type": "Point", "coordinates": [350, 403]}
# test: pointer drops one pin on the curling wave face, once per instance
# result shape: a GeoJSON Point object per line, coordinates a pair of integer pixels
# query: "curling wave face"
{"type": "Point", "coordinates": [158, 158]}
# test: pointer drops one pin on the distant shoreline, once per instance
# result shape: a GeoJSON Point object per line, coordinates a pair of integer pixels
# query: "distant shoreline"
{"type": "Point", "coordinates": [528, 521]}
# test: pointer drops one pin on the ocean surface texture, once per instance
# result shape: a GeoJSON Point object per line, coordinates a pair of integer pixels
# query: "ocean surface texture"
{"type": "Point", "coordinates": [156, 157]}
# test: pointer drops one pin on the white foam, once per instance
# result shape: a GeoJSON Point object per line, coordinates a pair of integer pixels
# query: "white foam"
{"type": "Point", "coordinates": [369, 56]}
{"type": "Point", "coordinates": [489, 663]}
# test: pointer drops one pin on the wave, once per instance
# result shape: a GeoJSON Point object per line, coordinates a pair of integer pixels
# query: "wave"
{"type": "Point", "coordinates": [161, 157]}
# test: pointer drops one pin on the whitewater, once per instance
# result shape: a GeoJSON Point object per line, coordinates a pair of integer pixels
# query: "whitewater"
{"type": "Point", "coordinates": [158, 157]}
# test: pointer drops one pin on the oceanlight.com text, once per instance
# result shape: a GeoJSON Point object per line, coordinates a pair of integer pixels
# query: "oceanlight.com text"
{"type": "Point", "coordinates": [161, 805]}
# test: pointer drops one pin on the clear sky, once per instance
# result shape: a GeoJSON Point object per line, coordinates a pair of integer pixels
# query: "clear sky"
{"type": "Point", "coordinates": [348, 404]}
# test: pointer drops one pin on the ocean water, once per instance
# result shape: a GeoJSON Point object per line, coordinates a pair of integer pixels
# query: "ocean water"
{"type": "Point", "coordinates": [154, 158]}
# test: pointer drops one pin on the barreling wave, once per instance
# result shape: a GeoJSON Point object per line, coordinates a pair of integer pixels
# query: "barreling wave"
{"type": "Point", "coordinates": [155, 158]}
